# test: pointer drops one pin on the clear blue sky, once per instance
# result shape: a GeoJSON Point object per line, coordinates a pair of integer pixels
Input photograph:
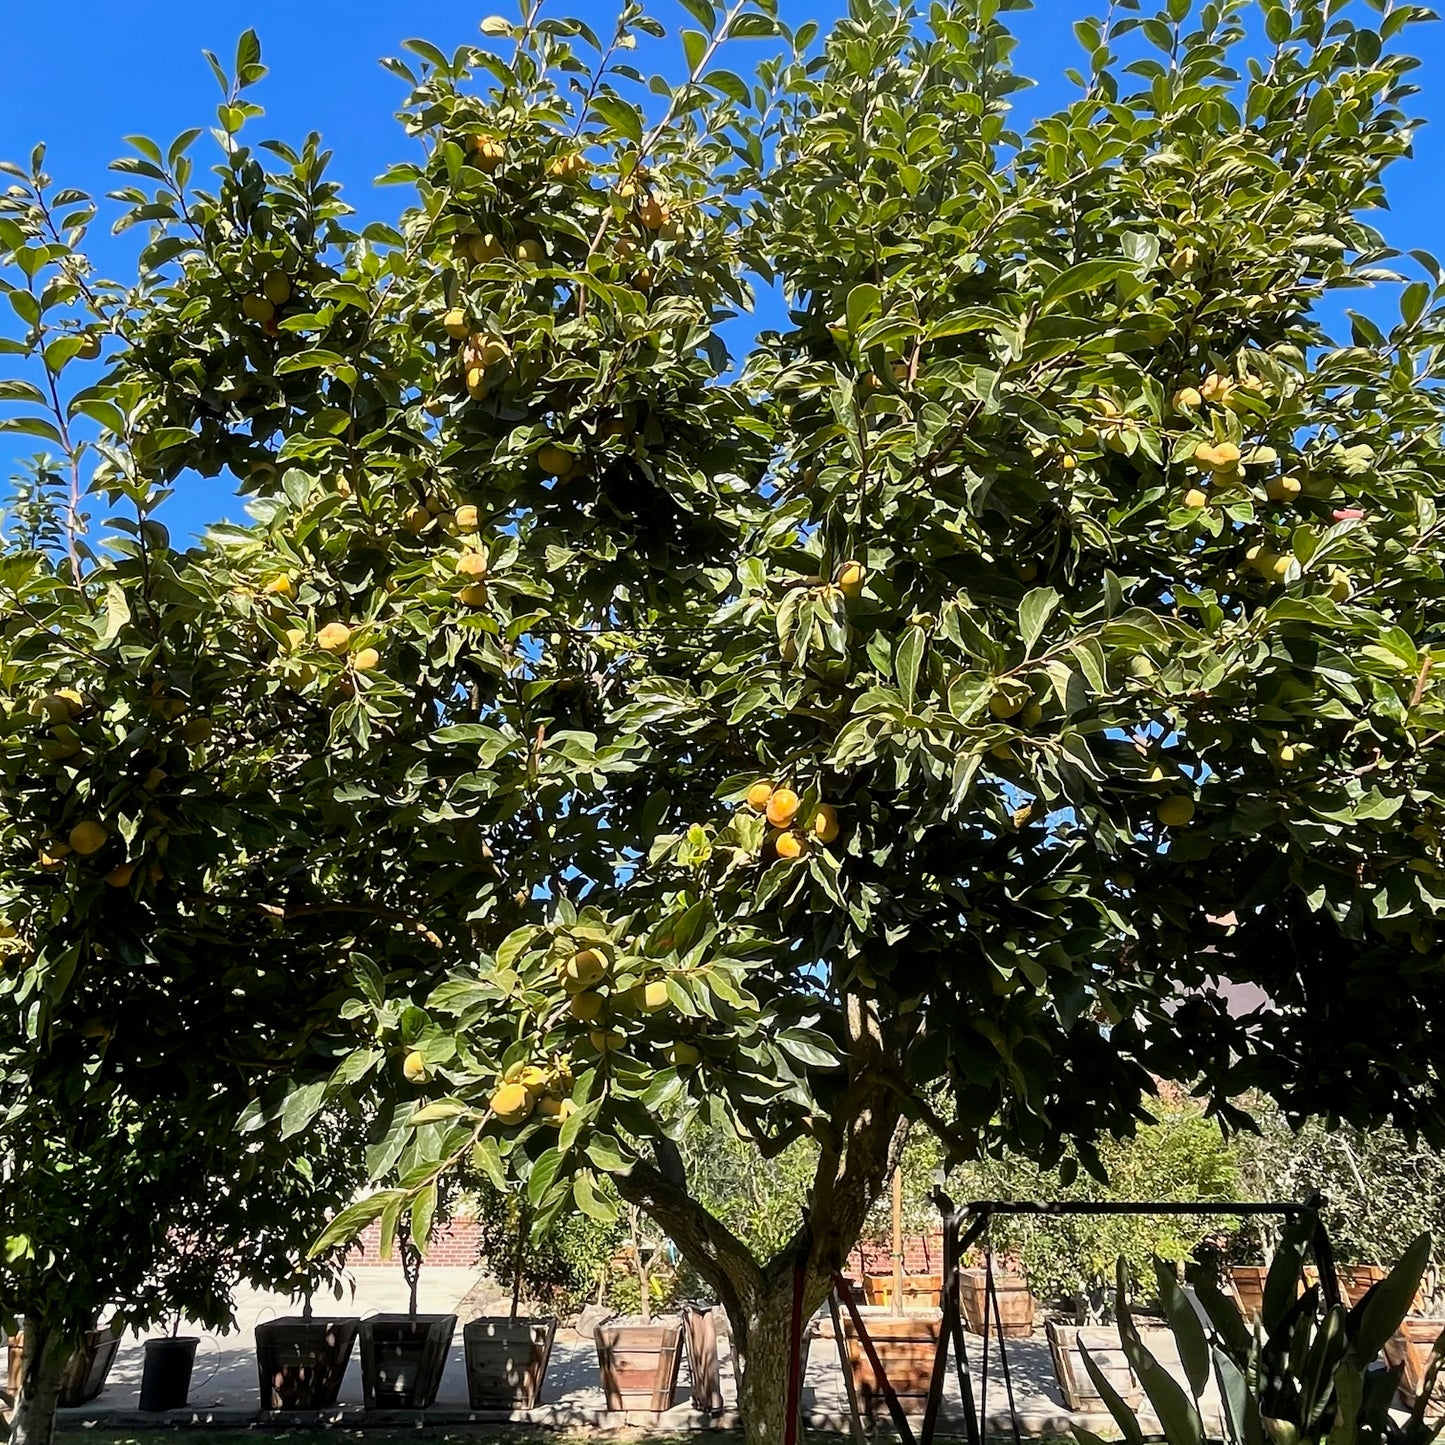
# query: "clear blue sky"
{"type": "Point", "coordinates": [82, 74]}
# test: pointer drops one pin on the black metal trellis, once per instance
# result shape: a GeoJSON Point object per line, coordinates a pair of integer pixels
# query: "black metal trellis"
{"type": "Point", "coordinates": [964, 1226]}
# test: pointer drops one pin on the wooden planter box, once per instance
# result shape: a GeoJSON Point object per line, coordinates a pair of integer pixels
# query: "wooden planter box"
{"type": "Point", "coordinates": [1067, 1344]}
{"type": "Point", "coordinates": [507, 1362]}
{"type": "Point", "coordinates": [1409, 1352]}
{"type": "Point", "coordinates": [1357, 1280]}
{"type": "Point", "coordinates": [1247, 1281]}
{"type": "Point", "coordinates": [639, 1365]}
{"type": "Point", "coordinates": [922, 1292]}
{"type": "Point", "coordinates": [1015, 1303]}
{"type": "Point", "coordinates": [402, 1359]}
{"type": "Point", "coordinates": [906, 1347]}
{"type": "Point", "coordinates": [301, 1363]}
{"type": "Point", "coordinates": [699, 1330]}
{"type": "Point", "coordinates": [85, 1372]}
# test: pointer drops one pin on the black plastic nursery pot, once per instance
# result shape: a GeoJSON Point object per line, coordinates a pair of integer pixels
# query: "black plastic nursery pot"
{"type": "Point", "coordinates": [302, 1362]}
{"type": "Point", "coordinates": [402, 1359]}
{"type": "Point", "coordinates": [165, 1383]}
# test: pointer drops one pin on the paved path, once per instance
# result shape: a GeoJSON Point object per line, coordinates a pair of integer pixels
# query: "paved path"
{"type": "Point", "coordinates": [225, 1388]}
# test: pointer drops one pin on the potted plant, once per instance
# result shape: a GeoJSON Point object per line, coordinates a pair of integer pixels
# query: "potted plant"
{"type": "Point", "coordinates": [165, 1382]}
{"type": "Point", "coordinates": [507, 1356]}
{"type": "Point", "coordinates": [301, 1359]}
{"type": "Point", "coordinates": [1015, 1302]}
{"type": "Point", "coordinates": [403, 1356]}
{"type": "Point", "coordinates": [639, 1363]}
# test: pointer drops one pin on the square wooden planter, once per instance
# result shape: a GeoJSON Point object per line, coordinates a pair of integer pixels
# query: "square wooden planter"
{"type": "Point", "coordinates": [1015, 1303]}
{"type": "Point", "coordinates": [1409, 1352]}
{"type": "Point", "coordinates": [639, 1365]}
{"type": "Point", "coordinates": [1067, 1344]}
{"type": "Point", "coordinates": [905, 1346]}
{"type": "Point", "coordinates": [85, 1373]}
{"type": "Point", "coordinates": [921, 1292]}
{"type": "Point", "coordinates": [402, 1359]}
{"type": "Point", "coordinates": [301, 1363]}
{"type": "Point", "coordinates": [507, 1362]}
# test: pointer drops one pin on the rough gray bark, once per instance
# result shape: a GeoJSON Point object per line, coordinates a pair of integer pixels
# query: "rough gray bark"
{"type": "Point", "coordinates": [46, 1354]}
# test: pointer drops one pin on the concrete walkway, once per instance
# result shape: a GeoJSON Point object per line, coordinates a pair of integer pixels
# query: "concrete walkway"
{"type": "Point", "coordinates": [225, 1390]}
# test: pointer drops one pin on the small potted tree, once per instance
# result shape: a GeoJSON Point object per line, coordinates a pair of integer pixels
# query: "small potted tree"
{"type": "Point", "coordinates": [301, 1359]}
{"type": "Point", "coordinates": [403, 1356]}
{"type": "Point", "coordinates": [639, 1363]}
{"type": "Point", "coordinates": [507, 1356]}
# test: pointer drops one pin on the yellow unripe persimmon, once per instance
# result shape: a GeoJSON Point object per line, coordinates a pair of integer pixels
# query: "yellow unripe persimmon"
{"type": "Point", "coordinates": [1283, 489]}
{"type": "Point", "coordinates": [276, 288]}
{"type": "Point", "coordinates": [457, 324]}
{"type": "Point", "coordinates": [533, 1078]}
{"type": "Point", "coordinates": [478, 388]}
{"type": "Point", "coordinates": [604, 1039]}
{"type": "Point", "coordinates": [683, 1055]}
{"type": "Point", "coordinates": [488, 152]}
{"type": "Point", "coordinates": [1175, 811]}
{"type": "Point", "coordinates": [334, 637]}
{"type": "Point", "coordinates": [783, 807]}
{"type": "Point", "coordinates": [512, 1104]}
{"type": "Point", "coordinates": [417, 519]}
{"type": "Point", "coordinates": [1216, 388]}
{"type": "Point", "coordinates": [652, 211]}
{"type": "Point", "coordinates": [586, 967]}
{"type": "Point", "coordinates": [414, 1068]}
{"type": "Point", "coordinates": [850, 578]}
{"type": "Point", "coordinates": [474, 595]}
{"type": "Point", "coordinates": [825, 823]}
{"type": "Point", "coordinates": [89, 346]}
{"type": "Point", "coordinates": [196, 730]}
{"type": "Point", "coordinates": [1216, 456]}
{"type": "Point", "coordinates": [650, 998]}
{"type": "Point", "coordinates": [88, 837]}
{"type": "Point", "coordinates": [486, 248]}
{"type": "Point", "coordinates": [367, 660]}
{"type": "Point", "coordinates": [556, 461]}
{"type": "Point", "coordinates": [51, 855]}
{"type": "Point", "coordinates": [1285, 755]}
{"type": "Point", "coordinates": [1007, 704]}
{"type": "Point", "coordinates": [587, 1006]}
{"type": "Point", "coordinates": [466, 518]}
{"type": "Point", "coordinates": [758, 796]}
{"type": "Point", "coordinates": [790, 845]}
{"type": "Point", "coordinates": [556, 1111]}
{"type": "Point", "coordinates": [257, 308]}
{"type": "Point", "coordinates": [569, 167]}
{"type": "Point", "coordinates": [120, 875]}
{"type": "Point", "coordinates": [530, 252]}
{"type": "Point", "coordinates": [281, 586]}
{"type": "Point", "coordinates": [1339, 588]}
{"type": "Point", "coordinates": [1195, 498]}
{"type": "Point", "coordinates": [1187, 398]}
{"type": "Point", "coordinates": [472, 564]}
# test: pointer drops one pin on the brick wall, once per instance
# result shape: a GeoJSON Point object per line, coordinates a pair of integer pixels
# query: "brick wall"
{"type": "Point", "coordinates": [454, 1244]}
{"type": "Point", "coordinates": [922, 1254]}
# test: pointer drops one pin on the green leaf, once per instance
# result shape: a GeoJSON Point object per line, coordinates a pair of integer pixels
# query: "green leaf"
{"type": "Point", "coordinates": [864, 302]}
{"type": "Point", "coordinates": [1189, 1338]}
{"type": "Point", "coordinates": [1177, 1413]}
{"type": "Point", "coordinates": [1376, 1318]}
{"type": "Point", "coordinates": [906, 664]}
{"type": "Point", "coordinates": [352, 1220]}
{"type": "Point", "coordinates": [1034, 613]}
{"type": "Point", "coordinates": [1085, 276]}
{"type": "Point", "coordinates": [302, 1106]}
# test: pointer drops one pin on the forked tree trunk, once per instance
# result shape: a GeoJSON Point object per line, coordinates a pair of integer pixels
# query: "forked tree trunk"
{"type": "Point", "coordinates": [46, 1354]}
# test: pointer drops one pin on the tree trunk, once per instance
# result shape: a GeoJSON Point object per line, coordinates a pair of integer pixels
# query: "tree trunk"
{"type": "Point", "coordinates": [765, 1352]}
{"type": "Point", "coordinates": [46, 1354]}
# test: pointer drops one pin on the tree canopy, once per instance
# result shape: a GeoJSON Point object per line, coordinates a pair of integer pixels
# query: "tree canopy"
{"type": "Point", "coordinates": [913, 718]}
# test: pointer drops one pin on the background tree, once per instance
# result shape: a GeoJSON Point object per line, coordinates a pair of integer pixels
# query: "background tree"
{"type": "Point", "coordinates": [1034, 631]}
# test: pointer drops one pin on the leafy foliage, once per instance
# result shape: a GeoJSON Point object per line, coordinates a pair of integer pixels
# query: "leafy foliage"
{"type": "Point", "coordinates": [1036, 629]}
{"type": "Point", "coordinates": [1305, 1374]}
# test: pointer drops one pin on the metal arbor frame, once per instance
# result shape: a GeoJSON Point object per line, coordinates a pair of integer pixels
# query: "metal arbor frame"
{"type": "Point", "coordinates": [963, 1227]}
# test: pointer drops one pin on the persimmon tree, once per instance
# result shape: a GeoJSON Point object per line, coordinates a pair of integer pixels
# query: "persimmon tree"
{"type": "Point", "coordinates": [1033, 630]}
